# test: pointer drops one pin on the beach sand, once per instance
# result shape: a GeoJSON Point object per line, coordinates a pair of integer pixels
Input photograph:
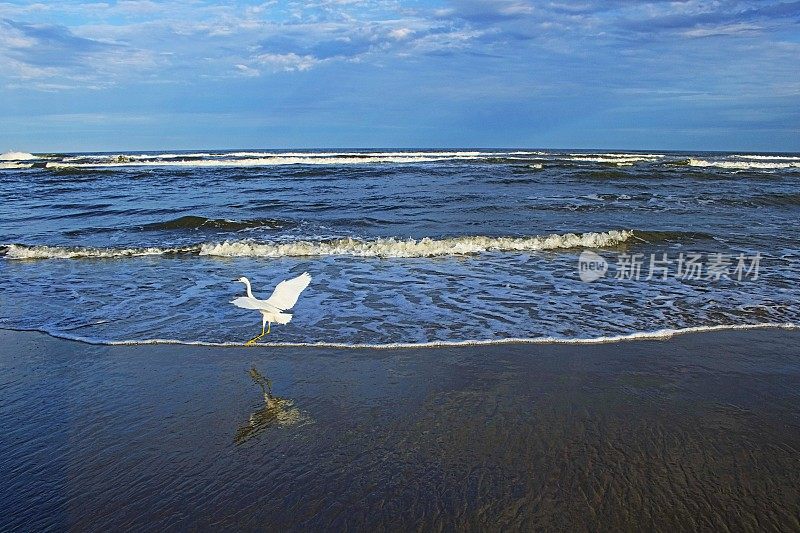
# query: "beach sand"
{"type": "Point", "coordinates": [698, 431]}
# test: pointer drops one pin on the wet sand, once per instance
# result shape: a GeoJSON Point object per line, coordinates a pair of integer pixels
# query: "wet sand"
{"type": "Point", "coordinates": [699, 431]}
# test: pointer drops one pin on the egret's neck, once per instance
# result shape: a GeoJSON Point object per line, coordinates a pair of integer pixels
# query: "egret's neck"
{"type": "Point", "coordinates": [249, 290]}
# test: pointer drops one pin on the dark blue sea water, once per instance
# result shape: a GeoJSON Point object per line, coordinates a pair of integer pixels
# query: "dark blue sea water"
{"type": "Point", "coordinates": [403, 246]}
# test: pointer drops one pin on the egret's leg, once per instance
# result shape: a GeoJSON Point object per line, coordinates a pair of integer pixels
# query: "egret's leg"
{"type": "Point", "coordinates": [268, 328]}
{"type": "Point", "coordinates": [254, 339]}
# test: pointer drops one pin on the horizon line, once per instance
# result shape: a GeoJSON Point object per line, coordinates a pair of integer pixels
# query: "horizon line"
{"type": "Point", "coordinates": [404, 148]}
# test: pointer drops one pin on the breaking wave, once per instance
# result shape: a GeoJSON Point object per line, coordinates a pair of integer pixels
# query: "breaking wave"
{"type": "Point", "coordinates": [618, 155]}
{"type": "Point", "coordinates": [381, 247]}
{"type": "Point", "coordinates": [743, 165]}
{"type": "Point", "coordinates": [426, 247]}
{"type": "Point", "coordinates": [8, 165]}
{"type": "Point", "coordinates": [366, 154]}
{"type": "Point", "coordinates": [24, 252]}
{"type": "Point", "coordinates": [263, 158]}
{"type": "Point", "coordinates": [16, 156]}
{"type": "Point", "coordinates": [122, 158]}
{"type": "Point", "coordinates": [766, 157]}
{"type": "Point", "coordinates": [253, 162]}
{"type": "Point", "coordinates": [616, 159]}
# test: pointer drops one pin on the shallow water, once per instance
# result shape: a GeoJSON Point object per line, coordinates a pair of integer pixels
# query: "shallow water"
{"type": "Point", "coordinates": [404, 247]}
{"type": "Point", "coordinates": [700, 432]}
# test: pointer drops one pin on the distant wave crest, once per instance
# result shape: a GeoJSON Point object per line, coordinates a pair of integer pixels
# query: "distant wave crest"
{"type": "Point", "coordinates": [616, 159]}
{"type": "Point", "coordinates": [251, 160]}
{"type": "Point", "coordinates": [767, 157]}
{"type": "Point", "coordinates": [267, 158]}
{"type": "Point", "coordinates": [744, 165]}
{"type": "Point", "coordinates": [13, 165]}
{"type": "Point", "coordinates": [264, 158]}
{"type": "Point", "coordinates": [16, 156]}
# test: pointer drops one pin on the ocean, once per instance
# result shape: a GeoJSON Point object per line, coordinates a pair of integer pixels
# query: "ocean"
{"type": "Point", "coordinates": [405, 247]}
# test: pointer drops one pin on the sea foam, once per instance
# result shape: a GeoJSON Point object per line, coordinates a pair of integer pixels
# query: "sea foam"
{"type": "Point", "coordinates": [426, 247]}
{"type": "Point", "coordinates": [16, 156]}
{"type": "Point", "coordinates": [656, 335]}
{"type": "Point", "coordinates": [766, 157]}
{"type": "Point", "coordinates": [125, 161]}
{"type": "Point", "coordinates": [8, 165]}
{"type": "Point", "coordinates": [618, 159]}
{"type": "Point", "coordinates": [618, 155]}
{"type": "Point", "coordinates": [380, 247]}
{"type": "Point", "coordinates": [744, 165]}
{"type": "Point", "coordinates": [23, 252]}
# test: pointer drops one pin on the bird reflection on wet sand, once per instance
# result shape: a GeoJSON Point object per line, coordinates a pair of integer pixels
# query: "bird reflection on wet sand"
{"type": "Point", "coordinates": [276, 411]}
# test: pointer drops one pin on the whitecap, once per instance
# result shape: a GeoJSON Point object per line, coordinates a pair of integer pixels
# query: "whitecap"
{"type": "Point", "coordinates": [743, 165]}
{"type": "Point", "coordinates": [425, 247]}
{"type": "Point", "coordinates": [126, 161]}
{"type": "Point", "coordinates": [766, 157]}
{"type": "Point", "coordinates": [16, 156]}
{"type": "Point", "coordinates": [381, 247]}
{"type": "Point", "coordinates": [618, 159]}
{"type": "Point", "coordinates": [23, 252]}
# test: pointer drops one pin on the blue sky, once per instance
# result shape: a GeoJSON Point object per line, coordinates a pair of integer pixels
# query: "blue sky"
{"type": "Point", "coordinates": [138, 74]}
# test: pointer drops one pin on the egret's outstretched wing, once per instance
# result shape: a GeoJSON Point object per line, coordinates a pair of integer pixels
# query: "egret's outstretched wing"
{"type": "Point", "coordinates": [245, 302]}
{"type": "Point", "coordinates": [286, 293]}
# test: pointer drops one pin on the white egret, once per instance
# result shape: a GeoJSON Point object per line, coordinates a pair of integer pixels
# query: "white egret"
{"type": "Point", "coordinates": [272, 309]}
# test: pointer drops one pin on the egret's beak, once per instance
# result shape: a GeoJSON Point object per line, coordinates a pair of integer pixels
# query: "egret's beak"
{"type": "Point", "coordinates": [236, 280]}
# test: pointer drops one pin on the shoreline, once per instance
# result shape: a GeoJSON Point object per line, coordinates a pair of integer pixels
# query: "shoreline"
{"type": "Point", "coordinates": [697, 431]}
{"type": "Point", "coordinates": [655, 335]}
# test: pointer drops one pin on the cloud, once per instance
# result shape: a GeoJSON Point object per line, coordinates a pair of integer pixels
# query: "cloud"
{"type": "Point", "coordinates": [46, 45]}
{"type": "Point", "coordinates": [287, 62]}
{"type": "Point", "coordinates": [711, 17]}
{"type": "Point", "coordinates": [401, 33]}
{"type": "Point", "coordinates": [488, 11]}
{"type": "Point", "coordinates": [324, 41]}
{"type": "Point", "coordinates": [244, 70]}
{"type": "Point", "coordinates": [111, 43]}
{"type": "Point", "coordinates": [53, 57]}
{"type": "Point", "coordinates": [722, 29]}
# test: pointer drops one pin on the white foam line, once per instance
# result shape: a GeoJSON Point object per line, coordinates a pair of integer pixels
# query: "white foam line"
{"type": "Point", "coordinates": [381, 247]}
{"type": "Point", "coordinates": [767, 157]}
{"type": "Point", "coordinates": [261, 154]}
{"type": "Point", "coordinates": [626, 161]}
{"type": "Point", "coordinates": [425, 247]}
{"type": "Point", "coordinates": [16, 156]}
{"type": "Point", "coordinates": [262, 161]}
{"type": "Point", "coordinates": [13, 165]}
{"type": "Point", "coordinates": [742, 165]}
{"type": "Point", "coordinates": [362, 154]}
{"type": "Point", "coordinates": [618, 155]}
{"type": "Point", "coordinates": [662, 334]}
